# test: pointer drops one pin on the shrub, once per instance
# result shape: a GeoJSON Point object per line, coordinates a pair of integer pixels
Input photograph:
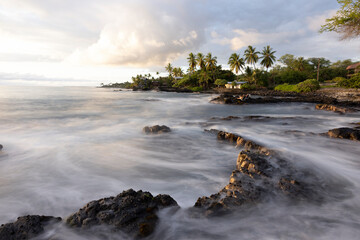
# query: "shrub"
{"type": "Point", "coordinates": [338, 79]}
{"type": "Point", "coordinates": [248, 87]}
{"type": "Point", "coordinates": [353, 82]}
{"type": "Point", "coordinates": [309, 85]}
{"type": "Point", "coordinates": [220, 82]}
{"type": "Point", "coordinates": [286, 88]}
{"type": "Point", "coordinates": [196, 89]}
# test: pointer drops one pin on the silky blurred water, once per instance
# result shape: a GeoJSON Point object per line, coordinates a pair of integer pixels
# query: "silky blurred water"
{"type": "Point", "coordinates": [66, 146]}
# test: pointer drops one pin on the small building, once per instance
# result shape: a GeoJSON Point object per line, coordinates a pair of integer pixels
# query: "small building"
{"type": "Point", "coordinates": [237, 85]}
{"type": "Point", "coordinates": [353, 69]}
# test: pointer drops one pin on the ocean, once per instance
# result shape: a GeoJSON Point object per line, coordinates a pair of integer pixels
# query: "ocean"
{"type": "Point", "coordinates": [66, 146]}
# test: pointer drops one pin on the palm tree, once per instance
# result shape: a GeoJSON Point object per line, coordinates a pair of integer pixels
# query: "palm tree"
{"type": "Point", "coordinates": [268, 57]}
{"type": "Point", "coordinates": [178, 72]}
{"type": "Point", "coordinates": [301, 62]}
{"type": "Point", "coordinates": [200, 60]}
{"type": "Point", "coordinates": [251, 55]}
{"type": "Point", "coordinates": [210, 61]}
{"type": "Point", "coordinates": [169, 68]}
{"type": "Point", "coordinates": [236, 63]}
{"type": "Point", "coordinates": [192, 62]}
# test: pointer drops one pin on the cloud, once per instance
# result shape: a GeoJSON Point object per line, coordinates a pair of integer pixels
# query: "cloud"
{"type": "Point", "coordinates": [315, 22]}
{"type": "Point", "coordinates": [244, 38]}
{"type": "Point", "coordinates": [141, 37]}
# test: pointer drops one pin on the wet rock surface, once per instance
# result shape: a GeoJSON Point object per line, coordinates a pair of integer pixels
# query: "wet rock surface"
{"type": "Point", "coordinates": [239, 141]}
{"type": "Point", "coordinates": [26, 227]}
{"type": "Point", "coordinates": [345, 133]}
{"type": "Point", "coordinates": [235, 99]}
{"type": "Point", "coordinates": [333, 108]}
{"type": "Point", "coordinates": [260, 174]}
{"type": "Point", "coordinates": [131, 212]}
{"type": "Point", "coordinates": [157, 129]}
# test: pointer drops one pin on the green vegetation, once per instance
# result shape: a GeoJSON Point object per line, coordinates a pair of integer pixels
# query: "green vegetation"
{"type": "Point", "coordinates": [346, 21]}
{"type": "Point", "coordinates": [286, 88]}
{"type": "Point", "coordinates": [220, 82]}
{"type": "Point", "coordinates": [353, 82]}
{"type": "Point", "coordinates": [204, 72]}
{"type": "Point", "coordinates": [309, 85]}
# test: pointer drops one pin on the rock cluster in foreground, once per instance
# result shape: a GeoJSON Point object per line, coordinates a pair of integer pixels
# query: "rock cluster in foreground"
{"type": "Point", "coordinates": [26, 227]}
{"type": "Point", "coordinates": [260, 174]}
{"type": "Point", "coordinates": [131, 212]}
{"type": "Point", "coordinates": [157, 129]}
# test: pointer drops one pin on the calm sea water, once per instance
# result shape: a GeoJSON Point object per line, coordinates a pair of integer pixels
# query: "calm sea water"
{"type": "Point", "coordinates": [66, 146]}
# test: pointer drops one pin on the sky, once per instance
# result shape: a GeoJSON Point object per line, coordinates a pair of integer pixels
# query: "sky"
{"type": "Point", "coordinates": [88, 42]}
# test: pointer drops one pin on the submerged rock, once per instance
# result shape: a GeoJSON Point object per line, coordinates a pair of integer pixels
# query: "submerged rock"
{"type": "Point", "coordinates": [333, 108]}
{"type": "Point", "coordinates": [26, 227]}
{"type": "Point", "coordinates": [157, 129]}
{"type": "Point", "coordinates": [131, 212]}
{"type": "Point", "coordinates": [345, 133]}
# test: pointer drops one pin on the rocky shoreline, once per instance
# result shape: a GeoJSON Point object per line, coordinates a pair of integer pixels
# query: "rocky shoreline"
{"type": "Point", "coordinates": [261, 174]}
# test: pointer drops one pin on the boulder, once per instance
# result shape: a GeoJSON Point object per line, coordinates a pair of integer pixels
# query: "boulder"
{"type": "Point", "coordinates": [333, 108]}
{"type": "Point", "coordinates": [26, 227]}
{"type": "Point", "coordinates": [258, 177]}
{"type": "Point", "coordinates": [134, 213]}
{"type": "Point", "coordinates": [156, 129]}
{"type": "Point", "coordinates": [345, 133]}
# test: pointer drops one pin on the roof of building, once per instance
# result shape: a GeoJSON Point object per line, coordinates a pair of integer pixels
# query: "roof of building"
{"type": "Point", "coordinates": [237, 82]}
{"type": "Point", "coordinates": [353, 66]}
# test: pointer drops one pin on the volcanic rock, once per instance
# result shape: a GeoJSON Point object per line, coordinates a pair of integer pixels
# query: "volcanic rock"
{"type": "Point", "coordinates": [258, 177]}
{"type": "Point", "coordinates": [26, 227]}
{"type": "Point", "coordinates": [156, 129]}
{"type": "Point", "coordinates": [131, 212]}
{"type": "Point", "coordinates": [345, 133]}
{"type": "Point", "coordinates": [333, 108]}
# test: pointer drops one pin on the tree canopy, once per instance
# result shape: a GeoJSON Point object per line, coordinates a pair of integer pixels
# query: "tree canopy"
{"type": "Point", "coordinates": [346, 21]}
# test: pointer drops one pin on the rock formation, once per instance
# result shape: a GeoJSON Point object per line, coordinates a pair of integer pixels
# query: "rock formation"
{"type": "Point", "coordinates": [345, 133]}
{"type": "Point", "coordinates": [26, 227]}
{"type": "Point", "coordinates": [333, 108]}
{"type": "Point", "coordinates": [156, 129]}
{"type": "Point", "coordinates": [131, 212]}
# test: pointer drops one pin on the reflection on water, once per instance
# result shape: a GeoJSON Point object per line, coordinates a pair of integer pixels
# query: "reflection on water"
{"type": "Point", "coordinates": [64, 147]}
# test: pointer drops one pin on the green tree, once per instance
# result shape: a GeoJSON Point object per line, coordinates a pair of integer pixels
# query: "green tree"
{"type": "Point", "coordinates": [204, 79]}
{"type": "Point", "coordinates": [289, 61]}
{"type": "Point", "coordinates": [251, 56]}
{"type": "Point", "coordinates": [210, 62]}
{"type": "Point", "coordinates": [268, 57]}
{"type": "Point", "coordinates": [236, 63]}
{"type": "Point", "coordinates": [200, 60]}
{"type": "Point", "coordinates": [178, 72]}
{"type": "Point", "coordinates": [169, 68]}
{"type": "Point", "coordinates": [192, 62]}
{"type": "Point", "coordinates": [346, 22]}
{"type": "Point", "coordinates": [301, 64]}
{"type": "Point", "coordinates": [220, 82]}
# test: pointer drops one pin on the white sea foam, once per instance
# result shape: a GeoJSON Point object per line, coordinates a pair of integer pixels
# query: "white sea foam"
{"type": "Point", "coordinates": [64, 147]}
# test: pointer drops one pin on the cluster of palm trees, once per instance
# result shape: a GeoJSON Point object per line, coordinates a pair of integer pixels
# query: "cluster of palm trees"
{"type": "Point", "coordinates": [174, 72]}
{"type": "Point", "coordinates": [207, 62]}
{"type": "Point", "coordinates": [251, 57]}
